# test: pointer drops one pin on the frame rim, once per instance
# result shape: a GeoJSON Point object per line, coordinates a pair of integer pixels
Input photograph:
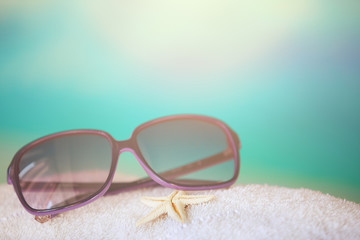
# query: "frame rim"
{"type": "Point", "coordinates": [166, 183]}
{"type": "Point", "coordinates": [14, 176]}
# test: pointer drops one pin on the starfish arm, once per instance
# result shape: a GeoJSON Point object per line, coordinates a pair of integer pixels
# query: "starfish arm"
{"type": "Point", "coordinates": [180, 193]}
{"type": "Point", "coordinates": [159, 210]}
{"type": "Point", "coordinates": [152, 201]}
{"type": "Point", "coordinates": [172, 211]}
{"type": "Point", "coordinates": [155, 198]}
{"type": "Point", "coordinates": [155, 201]}
{"type": "Point", "coordinates": [195, 199]}
{"type": "Point", "coordinates": [180, 209]}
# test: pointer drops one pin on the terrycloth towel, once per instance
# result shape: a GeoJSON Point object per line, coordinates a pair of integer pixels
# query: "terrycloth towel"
{"type": "Point", "coordinates": [240, 212]}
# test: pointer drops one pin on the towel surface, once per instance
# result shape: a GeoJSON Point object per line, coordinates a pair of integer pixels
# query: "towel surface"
{"type": "Point", "coordinates": [240, 212]}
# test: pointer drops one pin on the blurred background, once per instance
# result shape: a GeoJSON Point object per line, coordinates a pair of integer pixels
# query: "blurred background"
{"type": "Point", "coordinates": [285, 75]}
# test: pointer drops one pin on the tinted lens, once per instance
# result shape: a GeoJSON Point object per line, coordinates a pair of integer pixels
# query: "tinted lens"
{"type": "Point", "coordinates": [188, 152]}
{"type": "Point", "coordinates": [64, 170]}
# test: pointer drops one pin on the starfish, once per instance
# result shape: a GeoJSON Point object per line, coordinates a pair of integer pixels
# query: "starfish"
{"type": "Point", "coordinates": [173, 205]}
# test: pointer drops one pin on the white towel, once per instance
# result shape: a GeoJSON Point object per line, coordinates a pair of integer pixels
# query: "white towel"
{"type": "Point", "coordinates": [240, 212]}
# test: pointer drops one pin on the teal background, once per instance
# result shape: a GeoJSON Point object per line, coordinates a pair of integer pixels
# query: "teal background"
{"type": "Point", "coordinates": [284, 75]}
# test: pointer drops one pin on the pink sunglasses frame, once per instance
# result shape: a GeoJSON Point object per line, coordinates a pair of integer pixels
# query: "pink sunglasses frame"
{"type": "Point", "coordinates": [118, 147]}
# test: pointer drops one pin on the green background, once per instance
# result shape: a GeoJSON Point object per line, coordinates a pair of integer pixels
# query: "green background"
{"type": "Point", "coordinates": [285, 76]}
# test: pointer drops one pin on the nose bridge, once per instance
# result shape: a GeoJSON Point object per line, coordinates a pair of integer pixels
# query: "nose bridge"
{"type": "Point", "coordinates": [125, 146]}
{"type": "Point", "coordinates": [131, 147]}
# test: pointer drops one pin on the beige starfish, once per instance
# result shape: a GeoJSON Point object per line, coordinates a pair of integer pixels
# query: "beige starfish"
{"type": "Point", "coordinates": [173, 205]}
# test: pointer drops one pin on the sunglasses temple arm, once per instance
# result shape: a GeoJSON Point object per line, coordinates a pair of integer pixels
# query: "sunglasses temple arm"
{"type": "Point", "coordinates": [173, 173]}
{"type": "Point", "coordinates": [186, 169]}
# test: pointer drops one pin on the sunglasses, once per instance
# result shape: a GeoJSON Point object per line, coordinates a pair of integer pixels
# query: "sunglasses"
{"type": "Point", "coordinates": [70, 169]}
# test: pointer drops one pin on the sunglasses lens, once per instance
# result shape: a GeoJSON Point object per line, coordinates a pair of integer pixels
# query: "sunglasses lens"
{"type": "Point", "coordinates": [188, 152]}
{"type": "Point", "coordinates": [64, 170]}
